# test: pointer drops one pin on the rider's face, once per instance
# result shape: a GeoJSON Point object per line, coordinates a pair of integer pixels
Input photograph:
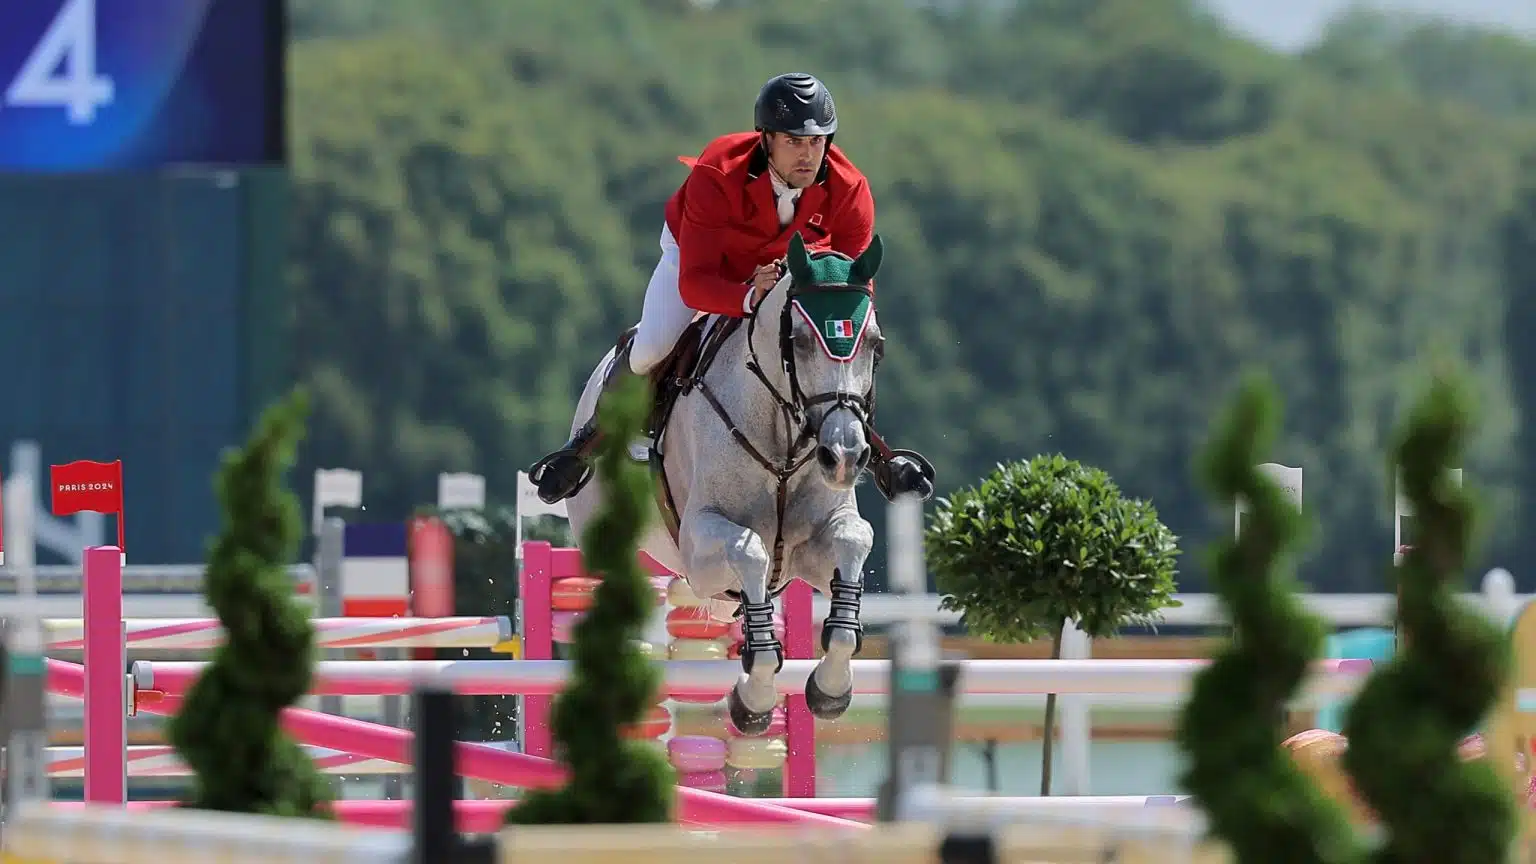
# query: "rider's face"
{"type": "Point", "coordinates": [796, 158]}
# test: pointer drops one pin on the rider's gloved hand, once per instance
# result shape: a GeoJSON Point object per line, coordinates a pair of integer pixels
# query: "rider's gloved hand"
{"type": "Point", "coordinates": [763, 279]}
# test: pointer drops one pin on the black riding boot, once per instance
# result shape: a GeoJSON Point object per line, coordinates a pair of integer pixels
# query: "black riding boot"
{"type": "Point", "coordinates": [564, 472]}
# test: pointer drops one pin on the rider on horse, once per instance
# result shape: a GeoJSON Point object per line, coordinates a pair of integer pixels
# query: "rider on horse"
{"type": "Point", "coordinates": [727, 229]}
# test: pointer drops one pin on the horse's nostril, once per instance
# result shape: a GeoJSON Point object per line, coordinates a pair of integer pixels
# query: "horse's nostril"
{"type": "Point", "coordinates": [825, 456]}
{"type": "Point", "coordinates": [864, 458]}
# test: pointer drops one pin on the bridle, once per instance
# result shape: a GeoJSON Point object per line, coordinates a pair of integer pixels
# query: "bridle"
{"type": "Point", "coordinates": [795, 407]}
{"type": "Point", "coordinates": [795, 410]}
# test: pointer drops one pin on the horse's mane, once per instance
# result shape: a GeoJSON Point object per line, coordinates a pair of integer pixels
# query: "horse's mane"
{"type": "Point", "coordinates": [829, 253]}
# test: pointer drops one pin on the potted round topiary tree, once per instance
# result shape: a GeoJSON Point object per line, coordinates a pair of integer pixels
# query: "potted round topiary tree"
{"type": "Point", "coordinates": [1040, 543]}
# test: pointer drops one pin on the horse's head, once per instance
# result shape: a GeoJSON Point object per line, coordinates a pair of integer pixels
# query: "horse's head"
{"type": "Point", "coordinates": [830, 342]}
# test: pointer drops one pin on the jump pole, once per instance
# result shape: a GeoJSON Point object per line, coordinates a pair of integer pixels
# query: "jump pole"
{"type": "Point", "coordinates": [203, 634]}
{"type": "Point", "coordinates": [709, 680]}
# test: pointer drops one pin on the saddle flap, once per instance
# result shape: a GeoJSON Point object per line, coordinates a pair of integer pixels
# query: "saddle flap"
{"type": "Point", "coordinates": [685, 353]}
{"type": "Point", "coordinates": [677, 367]}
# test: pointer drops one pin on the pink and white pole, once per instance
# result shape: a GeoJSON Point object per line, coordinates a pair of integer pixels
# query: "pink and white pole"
{"type": "Point", "coordinates": [106, 660]}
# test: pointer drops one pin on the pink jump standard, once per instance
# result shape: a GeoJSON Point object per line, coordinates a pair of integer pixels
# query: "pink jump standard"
{"type": "Point", "coordinates": [106, 721]}
{"type": "Point", "coordinates": [98, 487]}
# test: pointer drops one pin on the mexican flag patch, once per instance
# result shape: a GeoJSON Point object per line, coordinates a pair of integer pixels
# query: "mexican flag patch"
{"type": "Point", "coordinates": [838, 318]}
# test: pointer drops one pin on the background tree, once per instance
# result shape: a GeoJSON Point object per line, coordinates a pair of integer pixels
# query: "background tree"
{"type": "Point", "coordinates": [479, 197]}
{"type": "Point", "coordinates": [1042, 543]}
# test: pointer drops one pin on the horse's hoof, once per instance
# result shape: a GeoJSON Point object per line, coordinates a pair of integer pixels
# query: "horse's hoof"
{"type": "Point", "coordinates": [748, 722]}
{"type": "Point", "coordinates": [822, 706]}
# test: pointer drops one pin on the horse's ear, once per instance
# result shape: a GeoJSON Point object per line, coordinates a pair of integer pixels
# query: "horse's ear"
{"type": "Point", "coordinates": [867, 264]}
{"type": "Point", "coordinates": [799, 260]}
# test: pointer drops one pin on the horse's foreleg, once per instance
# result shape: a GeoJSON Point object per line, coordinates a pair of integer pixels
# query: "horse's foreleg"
{"type": "Point", "coordinates": [843, 544]}
{"type": "Point", "coordinates": [716, 546]}
{"type": "Point", "coordinates": [762, 658]}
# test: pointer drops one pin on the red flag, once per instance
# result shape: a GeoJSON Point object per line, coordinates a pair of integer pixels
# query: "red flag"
{"type": "Point", "coordinates": [89, 486]}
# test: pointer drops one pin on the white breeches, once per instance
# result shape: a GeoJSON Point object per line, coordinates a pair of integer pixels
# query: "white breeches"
{"type": "Point", "coordinates": [664, 316]}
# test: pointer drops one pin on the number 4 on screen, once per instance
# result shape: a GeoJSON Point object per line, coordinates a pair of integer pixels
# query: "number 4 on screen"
{"type": "Point", "coordinates": [61, 70]}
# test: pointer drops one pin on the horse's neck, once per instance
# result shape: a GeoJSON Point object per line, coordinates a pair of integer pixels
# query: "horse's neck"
{"type": "Point", "coordinates": [765, 336]}
{"type": "Point", "coordinates": [749, 402]}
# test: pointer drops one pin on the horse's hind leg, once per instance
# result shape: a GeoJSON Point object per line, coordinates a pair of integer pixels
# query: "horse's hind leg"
{"type": "Point", "coordinates": [719, 554]}
{"type": "Point", "coordinates": [840, 548]}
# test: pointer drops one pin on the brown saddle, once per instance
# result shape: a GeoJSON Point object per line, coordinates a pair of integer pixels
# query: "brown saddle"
{"type": "Point", "coordinates": [675, 376]}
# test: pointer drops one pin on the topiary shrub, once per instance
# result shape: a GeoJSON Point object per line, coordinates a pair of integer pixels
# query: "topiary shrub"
{"type": "Point", "coordinates": [1255, 796]}
{"type": "Point", "coordinates": [612, 779]}
{"type": "Point", "coordinates": [1044, 541]}
{"type": "Point", "coordinates": [1407, 725]}
{"type": "Point", "coordinates": [228, 729]}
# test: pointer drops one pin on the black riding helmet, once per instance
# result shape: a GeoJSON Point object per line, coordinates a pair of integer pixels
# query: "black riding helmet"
{"type": "Point", "coordinates": [795, 104]}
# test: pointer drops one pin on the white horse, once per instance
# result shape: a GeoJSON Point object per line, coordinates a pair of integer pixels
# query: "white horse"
{"type": "Point", "coordinates": [760, 454]}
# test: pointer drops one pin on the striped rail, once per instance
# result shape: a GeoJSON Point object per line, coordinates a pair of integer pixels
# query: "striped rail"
{"type": "Point", "coordinates": [188, 634]}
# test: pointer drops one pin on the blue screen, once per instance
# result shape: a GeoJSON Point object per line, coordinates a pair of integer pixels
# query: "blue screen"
{"type": "Point", "coordinates": [102, 85]}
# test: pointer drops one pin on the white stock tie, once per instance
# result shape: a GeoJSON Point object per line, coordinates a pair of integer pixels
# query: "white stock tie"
{"type": "Point", "coordinates": [784, 198]}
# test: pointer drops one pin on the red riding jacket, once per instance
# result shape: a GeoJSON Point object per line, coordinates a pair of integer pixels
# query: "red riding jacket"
{"type": "Point", "coordinates": [726, 224]}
